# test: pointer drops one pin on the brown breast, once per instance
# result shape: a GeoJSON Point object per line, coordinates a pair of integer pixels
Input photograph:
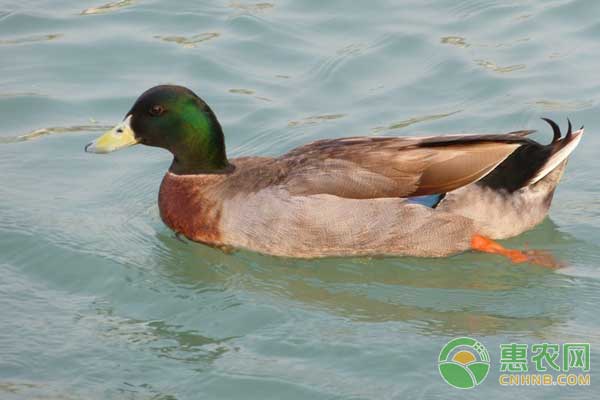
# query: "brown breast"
{"type": "Point", "coordinates": [186, 206]}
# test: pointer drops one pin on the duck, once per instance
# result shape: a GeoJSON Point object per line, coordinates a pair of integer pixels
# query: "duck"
{"type": "Point", "coordinates": [423, 196]}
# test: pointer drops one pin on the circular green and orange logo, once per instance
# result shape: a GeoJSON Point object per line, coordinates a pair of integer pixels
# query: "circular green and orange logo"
{"type": "Point", "coordinates": [464, 363]}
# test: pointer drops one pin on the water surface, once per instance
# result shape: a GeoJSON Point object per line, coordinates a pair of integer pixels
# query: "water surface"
{"type": "Point", "coordinates": [98, 300]}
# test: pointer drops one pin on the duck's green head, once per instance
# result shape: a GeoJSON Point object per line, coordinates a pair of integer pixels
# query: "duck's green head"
{"type": "Point", "coordinates": [174, 118]}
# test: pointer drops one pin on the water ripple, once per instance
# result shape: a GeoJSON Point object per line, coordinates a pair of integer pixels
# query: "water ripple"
{"type": "Point", "coordinates": [251, 8]}
{"type": "Point", "coordinates": [315, 119]}
{"type": "Point", "coordinates": [190, 41]}
{"type": "Point", "coordinates": [492, 66]}
{"type": "Point", "coordinates": [31, 39]}
{"type": "Point", "coordinates": [36, 134]}
{"type": "Point", "coordinates": [558, 105]}
{"type": "Point", "coordinates": [108, 7]}
{"type": "Point", "coordinates": [414, 120]}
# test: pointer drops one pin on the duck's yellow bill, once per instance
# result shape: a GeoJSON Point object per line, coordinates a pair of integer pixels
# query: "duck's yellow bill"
{"type": "Point", "coordinates": [117, 138]}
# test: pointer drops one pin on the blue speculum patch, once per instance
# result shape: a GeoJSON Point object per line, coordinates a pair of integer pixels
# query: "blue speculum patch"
{"type": "Point", "coordinates": [430, 201]}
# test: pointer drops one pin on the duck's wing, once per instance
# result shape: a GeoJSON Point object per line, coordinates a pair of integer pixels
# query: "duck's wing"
{"type": "Point", "coordinates": [372, 167]}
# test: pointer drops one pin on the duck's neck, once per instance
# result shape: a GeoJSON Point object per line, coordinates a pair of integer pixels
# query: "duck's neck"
{"type": "Point", "coordinates": [201, 152]}
{"type": "Point", "coordinates": [200, 165]}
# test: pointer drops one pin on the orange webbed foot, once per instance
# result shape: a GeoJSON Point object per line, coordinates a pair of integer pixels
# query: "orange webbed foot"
{"type": "Point", "coordinates": [537, 257]}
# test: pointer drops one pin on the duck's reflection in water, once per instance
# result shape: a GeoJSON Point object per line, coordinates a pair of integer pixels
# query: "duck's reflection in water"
{"type": "Point", "coordinates": [469, 293]}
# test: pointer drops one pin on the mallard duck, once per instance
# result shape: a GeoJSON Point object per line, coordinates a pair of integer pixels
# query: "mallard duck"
{"type": "Point", "coordinates": [407, 196]}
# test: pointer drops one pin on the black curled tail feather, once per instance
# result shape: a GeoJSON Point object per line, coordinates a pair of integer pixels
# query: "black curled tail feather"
{"type": "Point", "coordinates": [555, 129]}
{"type": "Point", "coordinates": [526, 162]}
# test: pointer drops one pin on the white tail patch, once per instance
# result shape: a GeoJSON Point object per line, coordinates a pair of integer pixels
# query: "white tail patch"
{"type": "Point", "coordinates": [558, 157]}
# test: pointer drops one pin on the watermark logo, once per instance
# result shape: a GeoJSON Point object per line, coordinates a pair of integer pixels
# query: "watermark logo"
{"type": "Point", "coordinates": [464, 363]}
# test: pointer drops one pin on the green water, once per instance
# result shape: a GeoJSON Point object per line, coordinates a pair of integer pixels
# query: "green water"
{"type": "Point", "coordinates": [98, 300]}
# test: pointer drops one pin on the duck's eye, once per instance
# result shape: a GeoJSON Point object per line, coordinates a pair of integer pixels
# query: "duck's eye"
{"type": "Point", "coordinates": [156, 110]}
